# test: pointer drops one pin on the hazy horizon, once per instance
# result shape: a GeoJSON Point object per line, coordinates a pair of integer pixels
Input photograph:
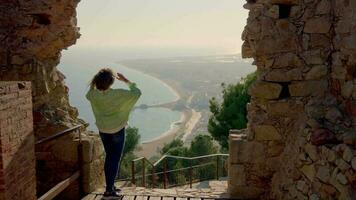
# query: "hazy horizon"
{"type": "Point", "coordinates": [160, 28]}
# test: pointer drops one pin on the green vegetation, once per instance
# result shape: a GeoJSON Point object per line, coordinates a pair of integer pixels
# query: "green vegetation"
{"type": "Point", "coordinates": [131, 141]}
{"type": "Point", "coordinates": [201, 145]}
{"type": "Point", "coordinates": [231, 113]}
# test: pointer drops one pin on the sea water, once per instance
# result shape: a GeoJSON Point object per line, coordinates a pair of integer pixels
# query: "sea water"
{"type": "Point", "coordinates": [151, 122]}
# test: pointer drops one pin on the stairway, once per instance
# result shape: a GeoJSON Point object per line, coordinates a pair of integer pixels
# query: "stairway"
{"type": "Point", "coordinates": [200, 191]}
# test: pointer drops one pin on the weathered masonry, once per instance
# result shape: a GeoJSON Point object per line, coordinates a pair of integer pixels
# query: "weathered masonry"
{"type": "Point", "coordinates": [17, 153]}
{"type": "Point", "coordinates": [301, 137]}
{"type": "Point", "coordinates": [32, 36]}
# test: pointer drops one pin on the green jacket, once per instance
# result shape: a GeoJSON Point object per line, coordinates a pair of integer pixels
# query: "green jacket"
{"type": "Point", "coordinates": [112, 107]}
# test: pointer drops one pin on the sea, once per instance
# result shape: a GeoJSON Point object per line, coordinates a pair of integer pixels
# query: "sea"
{"type": "Point", "coordinates": [79, 68]}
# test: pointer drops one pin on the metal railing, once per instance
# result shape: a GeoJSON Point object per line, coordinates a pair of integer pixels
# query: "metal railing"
{"type": "Point", "coordinates": [77, 175]}
{"type": "Point", "coordinates": [192, 169]}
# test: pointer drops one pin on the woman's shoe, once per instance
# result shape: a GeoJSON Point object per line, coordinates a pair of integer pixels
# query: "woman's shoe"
{"type": "Point", "coordinates": [111, 196]}
{"type": "Point", "coordinates": [118, 190]}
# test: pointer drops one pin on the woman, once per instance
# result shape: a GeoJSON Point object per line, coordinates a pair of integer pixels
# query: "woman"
{"type": "Point", "coordinates": [111, 108]}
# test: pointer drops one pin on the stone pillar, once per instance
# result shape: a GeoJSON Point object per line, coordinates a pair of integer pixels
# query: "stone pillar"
{"type": "Point", "coordinates": [17, 150]}
{"type": "Point", "coordinates": [93, 163]}
{"type": "Point", "coordinates": [300, 140]}
{"type": "Point", "coordinates": [241, 152]}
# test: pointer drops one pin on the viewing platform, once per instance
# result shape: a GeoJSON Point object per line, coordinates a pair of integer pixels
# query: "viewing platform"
{"type": "Point", "coordinates": [201, 190]}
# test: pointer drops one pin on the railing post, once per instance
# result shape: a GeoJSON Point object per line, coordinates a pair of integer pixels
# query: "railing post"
{"type": "Point", "coordinates": [143, 173]}
{"type": "Point", "coordinates": [133, 179]}
{"type": "Point", "coordinates": [153, 176]}
{"type": "Point", "coordinates": [217, 167]}
{"type": "Point", "coordinates": [165, 173]}
{"type": "Point", "coordinates": [80, 164]}
{"type": "Point", "coordinates": [191, 173]}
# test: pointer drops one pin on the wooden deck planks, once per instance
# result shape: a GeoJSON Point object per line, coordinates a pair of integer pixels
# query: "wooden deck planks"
{"type": "Point", "coordinates": [89, 197]}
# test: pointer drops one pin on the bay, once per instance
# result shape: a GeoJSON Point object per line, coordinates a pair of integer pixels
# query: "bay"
{"type": "Point", "coordinates": [151, 122]}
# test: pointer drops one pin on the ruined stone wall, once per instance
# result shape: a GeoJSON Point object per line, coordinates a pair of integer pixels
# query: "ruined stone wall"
{"type": "Point", "coordinates": [17, 148]}
{"type": "Point", "coordinates": [32, 36]}
{"type": "Point", "coordinates": [301, 137]}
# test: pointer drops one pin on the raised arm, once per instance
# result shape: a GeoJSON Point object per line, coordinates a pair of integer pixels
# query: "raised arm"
{"type": "Point", "coordinates": [129, 96]}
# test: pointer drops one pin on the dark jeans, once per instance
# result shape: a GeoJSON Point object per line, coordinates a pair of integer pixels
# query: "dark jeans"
{"type": "Point", "coordinates": [114, 146]}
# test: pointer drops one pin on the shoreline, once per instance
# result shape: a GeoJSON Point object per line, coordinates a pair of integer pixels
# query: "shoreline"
{"type": "Point", "coordinates": [173, 90]}
{"type": "Point", "coordinates": [188, 121]}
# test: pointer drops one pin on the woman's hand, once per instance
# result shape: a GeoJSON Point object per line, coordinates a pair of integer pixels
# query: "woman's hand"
{"type": "Point", "coordinates": [121, 77]}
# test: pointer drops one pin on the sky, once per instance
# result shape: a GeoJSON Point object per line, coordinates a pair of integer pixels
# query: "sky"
{"type": "Point", "coordinates": [213, 25]}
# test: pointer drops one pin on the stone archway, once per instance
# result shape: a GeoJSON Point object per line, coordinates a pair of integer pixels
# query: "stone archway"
{"type": "Point", "coordinates": [302, 118]}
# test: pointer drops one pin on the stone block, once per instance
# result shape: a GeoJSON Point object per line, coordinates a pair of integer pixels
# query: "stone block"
{"type": "Point", "coordinates": [266, 132]}
{"type": "Point", "coordinates": [347, 89]}
{"type": "Point", "coordinates": [307, 88]}
{"type": "Point", "coordinates": [247, 51]}
{"type": "Point", "coordinates": [245, 192]}
{"type": "Point", "coordinates": [242, 151]}
{"type": "Point", "coordinates": [87, 150]}
{"type": "Point", "coordinates": [275, 148]}
{"type": "Point", "coordinates": [237, 175]}
{"type": "Point", "coordinates": [270, 46]}
{"type": "Point", "coordinates": [323, 7]}
{"type": "Point", "coordinates": [289, 109]}
{"type": "Point", "coordinates": [349, 138]}
{"type": "Point", "coordinates": [323, 174]}
{"type": "Point", "coordinates": [288, 60]}
{"type": "Point", "coordinates": [309, 171]}
{"type": "Point", "coordinates": [314, 57]}
{"type": "Point", "coordinates": [265, 90]}
{"type": "Point", "coordinates": [312, 151]}
{"type": "Point", "coordinates": [273, 12]}
{"type": "Point", "coordinates": [316, 72]}
{"type": "Point", "coordinates": [318, 25]}
{"type": "Point", "coordinates": [342, 165]}
{"type": "Point", "coordinates": [283, 75]}
{"type": "Point", "coordinates": [322, 136]}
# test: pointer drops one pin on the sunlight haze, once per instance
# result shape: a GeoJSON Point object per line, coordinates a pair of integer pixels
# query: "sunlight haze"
{"type": "Point", "coordinates": [214, 25]}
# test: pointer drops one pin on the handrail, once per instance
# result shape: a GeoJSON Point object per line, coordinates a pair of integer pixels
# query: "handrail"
{"type": "Point", "coordinates": [165, 167]}
{"type": "Point", "coordinates": [60, 134]}
{"type": "Point", "coordinates": [57, 189]}
{"type": "Point", "coordinates": [141, 158]}
{"type": "Point", "coordinates": [189, 158]}
{"type": "Point", "coordinates": [52, 193]}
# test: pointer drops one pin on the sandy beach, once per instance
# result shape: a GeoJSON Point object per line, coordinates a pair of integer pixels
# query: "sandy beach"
{"type": "Point", "coordinates": [151, 148]}
{"type": "Point", "coordinates": [190, 125]}
{"type": "Point", "coordinates": [184, 127]}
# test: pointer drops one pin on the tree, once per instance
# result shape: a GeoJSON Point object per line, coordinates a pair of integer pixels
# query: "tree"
{"type": "Point", "coordinates": [175, 148]}
{"type": "Point", "coordinates": [202, 145]}
{"type": "Point", "coordinates": [132, 139]}
{"type": "Point", "coordinates": [232, 112]}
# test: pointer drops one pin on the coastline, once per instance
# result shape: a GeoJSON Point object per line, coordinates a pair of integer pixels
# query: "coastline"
{"type": "Point", "coordinates": [187, 122]}
{"type": "Point", "coordinates": [173, 90]}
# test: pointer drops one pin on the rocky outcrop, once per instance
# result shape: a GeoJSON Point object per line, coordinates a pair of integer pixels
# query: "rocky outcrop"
{"type": "Point", "coordinates": [300, 141]}
{"type": "Point", "coordinates": [32, 36]}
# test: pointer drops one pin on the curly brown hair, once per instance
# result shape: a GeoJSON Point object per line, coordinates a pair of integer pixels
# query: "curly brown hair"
{"type": "Point", "coordinates": [103, 79]}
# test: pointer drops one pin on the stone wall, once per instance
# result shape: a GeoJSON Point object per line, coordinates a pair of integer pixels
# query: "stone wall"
{"type": "Point", "coordinates": [32, 36]}
{"type": "Point", "coordinates": [17, 153]}
{"type": "Point", "coordinates": [301, 137]}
